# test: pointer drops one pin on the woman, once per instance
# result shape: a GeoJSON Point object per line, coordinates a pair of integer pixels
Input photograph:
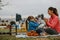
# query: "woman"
{"type": "Point", "coordinates": [53, 22]}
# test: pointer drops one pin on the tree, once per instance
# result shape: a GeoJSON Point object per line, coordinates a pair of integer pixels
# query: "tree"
{"type": "Point", "coordinates": [6, 20]}
{"type": "Point", "coordinates": [2, 21]}
{"type": "Point", "coordinates": [0, 0]}
{"type": "Point", "coordinates": [12, 22]}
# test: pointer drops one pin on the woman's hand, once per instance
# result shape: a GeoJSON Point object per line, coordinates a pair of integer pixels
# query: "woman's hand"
{"type": "Point", "coordinates": [45, 19]}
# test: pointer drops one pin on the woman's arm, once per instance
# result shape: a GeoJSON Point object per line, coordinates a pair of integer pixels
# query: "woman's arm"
{"type": "Point", "coordinates": [53, 23]}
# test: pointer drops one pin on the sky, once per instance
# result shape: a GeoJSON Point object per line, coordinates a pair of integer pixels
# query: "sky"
{"type": "Point", "coordinates": [28, 7]}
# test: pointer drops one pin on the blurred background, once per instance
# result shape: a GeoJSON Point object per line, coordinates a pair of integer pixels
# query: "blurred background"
{"type": "Point", "coordinates": [9, 8]}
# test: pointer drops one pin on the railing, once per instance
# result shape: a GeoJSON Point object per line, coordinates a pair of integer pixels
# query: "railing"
{"type": "Point", "coordinates": [10, 30]}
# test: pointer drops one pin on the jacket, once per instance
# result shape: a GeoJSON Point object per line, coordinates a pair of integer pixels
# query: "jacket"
{"type": "Point", "coordinates": [54, 23]}
{"type": "Point", "coordinates": [32, 25]}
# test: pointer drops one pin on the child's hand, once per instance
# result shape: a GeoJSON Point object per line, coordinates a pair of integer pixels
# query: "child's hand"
{"type": "Point", "coordinates": [45, 27]}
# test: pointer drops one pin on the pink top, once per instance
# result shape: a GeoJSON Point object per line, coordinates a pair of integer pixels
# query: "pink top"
{"type": "Point", "coordinates": [54, 23]}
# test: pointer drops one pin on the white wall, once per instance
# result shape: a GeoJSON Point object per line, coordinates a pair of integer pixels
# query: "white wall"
{"type": "Point", "coordinates": [29, 7]}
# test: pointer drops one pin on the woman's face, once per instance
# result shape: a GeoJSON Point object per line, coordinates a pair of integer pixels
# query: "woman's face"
{"type": "Point", "coordinates": [50, 12]}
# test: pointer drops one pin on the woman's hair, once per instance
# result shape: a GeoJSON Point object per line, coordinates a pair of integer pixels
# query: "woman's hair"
{"type": "Point", "coordinates": [54, 10]}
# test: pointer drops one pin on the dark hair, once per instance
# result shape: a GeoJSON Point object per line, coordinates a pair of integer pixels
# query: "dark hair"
{"type": "Point", "coordinates": [39, 15]}
{"type": "Point", "coordinates": [36, 18]}
{"type": "Point", "coordinates": [27, 20]}
{"type": "Point", "coordinates": [54, 10]}
{"type": "Point", "coordinates": [42, 16]}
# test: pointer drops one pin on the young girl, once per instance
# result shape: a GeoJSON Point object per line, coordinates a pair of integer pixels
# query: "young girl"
{"type": "Point", "coordinates": [32, 23]}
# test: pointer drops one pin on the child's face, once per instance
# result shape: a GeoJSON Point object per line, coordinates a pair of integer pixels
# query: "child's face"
{"type": "Point", "coordinates": [32, 19]}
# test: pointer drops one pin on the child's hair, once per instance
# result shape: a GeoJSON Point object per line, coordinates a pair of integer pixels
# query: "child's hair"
{"type": "Point", "coordinates": [30, 17]}
{"type": "Point", "coordinates": [39, 15]}
{"type": "Point", "coordinates": [42, 16]}
{"type": "Point", "coordinates": [54, 10]}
